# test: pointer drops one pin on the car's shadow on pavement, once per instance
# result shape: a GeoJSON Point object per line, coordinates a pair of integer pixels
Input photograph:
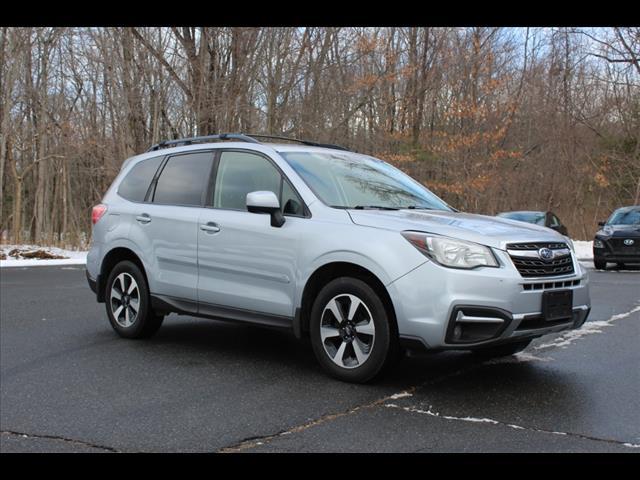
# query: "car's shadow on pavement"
{"type": "Point", "coordinates": [193, 342]}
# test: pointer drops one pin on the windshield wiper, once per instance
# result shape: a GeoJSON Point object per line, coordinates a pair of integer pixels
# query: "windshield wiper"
{"type": "Point", "coordinates": [418, 207]}
{"type": "Point", "coordinates": [374, 207]}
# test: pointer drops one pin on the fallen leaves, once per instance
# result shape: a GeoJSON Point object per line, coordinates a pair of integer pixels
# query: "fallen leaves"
{"type": "Point", "coordinates": [39, 254]}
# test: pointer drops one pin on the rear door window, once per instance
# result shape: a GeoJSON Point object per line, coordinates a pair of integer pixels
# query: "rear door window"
{"type": "Point", "coordinates": [135, 184]}
{"type": "Point", "coordinates": [184, 179]}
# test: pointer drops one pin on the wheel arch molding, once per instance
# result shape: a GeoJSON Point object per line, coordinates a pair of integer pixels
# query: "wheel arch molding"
{"type": "Point", "coordinates": [328, 272]}
{"type": "Point", "coordinates": [110, 260]}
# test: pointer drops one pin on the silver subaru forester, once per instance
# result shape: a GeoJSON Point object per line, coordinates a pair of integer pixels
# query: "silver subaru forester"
{"type": "Point", "coordinates": [338, 247]}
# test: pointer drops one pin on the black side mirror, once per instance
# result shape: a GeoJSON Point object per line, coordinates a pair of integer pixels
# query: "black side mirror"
{"type": "Point", "coordinates": [266, 202]}
{"type": "Point", "coordinates": [601, 224]}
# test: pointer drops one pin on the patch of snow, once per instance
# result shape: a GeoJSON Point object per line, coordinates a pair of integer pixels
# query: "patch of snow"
{"type": "Point", "coordinates": [587, 329]}
{"type": "Point", "coordinates": [584, 249]}
{"type": "Point", "coordinates": [396, 396]}
{"type": "Point", "coordinates": [74, 257]}
{"type": "Point", "coordinates": [446, 417]}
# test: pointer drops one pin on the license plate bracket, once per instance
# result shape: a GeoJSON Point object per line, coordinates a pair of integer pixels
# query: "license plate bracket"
{"type": "Point", "coordinates": [557, 305]}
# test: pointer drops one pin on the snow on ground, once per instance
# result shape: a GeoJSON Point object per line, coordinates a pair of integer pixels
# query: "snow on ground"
{"type": "Point", "coordinates": [73, 257]}
{"type": "Point", "coordinates": [584, 249]}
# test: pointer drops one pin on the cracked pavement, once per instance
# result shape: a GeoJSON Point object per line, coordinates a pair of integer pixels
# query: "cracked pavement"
{"type": "Point", "coordinates": [69, 384]}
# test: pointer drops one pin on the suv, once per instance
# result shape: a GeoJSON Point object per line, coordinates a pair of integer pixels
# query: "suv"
{"type": "Point", "coordinates": [618, 239]}
{"type": "Point", "coordinates": [335, 246]}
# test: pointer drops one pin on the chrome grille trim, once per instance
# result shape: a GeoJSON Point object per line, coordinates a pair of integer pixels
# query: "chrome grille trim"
{"type": "Point", "coordinates": [528, 263]}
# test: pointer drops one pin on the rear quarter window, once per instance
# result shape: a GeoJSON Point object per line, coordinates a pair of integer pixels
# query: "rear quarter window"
{"type": "Point", "coordinates": [184, 179]}
{"type": "Point", "coordinates": [135, 184]}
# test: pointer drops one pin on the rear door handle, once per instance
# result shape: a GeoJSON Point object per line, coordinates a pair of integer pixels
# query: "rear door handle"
{"type": "Point", "coordinates": [144, 218]}
{"type": "Point", "coordinates": [210, 227]}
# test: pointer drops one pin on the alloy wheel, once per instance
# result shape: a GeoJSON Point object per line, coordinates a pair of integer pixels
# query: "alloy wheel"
{"type": "Point", "coordinates": [125, 300]}
{"type": "Point", "coordinates": [347, 331]}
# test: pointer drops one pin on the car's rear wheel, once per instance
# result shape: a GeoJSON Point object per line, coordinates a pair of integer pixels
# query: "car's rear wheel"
{"type": "Point", "coordinates": [128, 303]}
{"type": "Point", "coordinates": [502, 350]}
{"type": "Point", "coordinates": [599, 264]}
{"type": "Point", "coordinates": [351, 332]}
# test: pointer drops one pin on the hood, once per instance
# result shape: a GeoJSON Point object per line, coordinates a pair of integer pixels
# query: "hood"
{"type": "Point", "coordinates": [619, 231]}
{"type": "Point", "coordinates": [491, 231]}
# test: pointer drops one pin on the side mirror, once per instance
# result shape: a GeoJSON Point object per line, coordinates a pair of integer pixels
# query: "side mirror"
{"type": "Point", "coordinates": [266, 202]}
{"type": "Point", "coordinates": [601, 224]}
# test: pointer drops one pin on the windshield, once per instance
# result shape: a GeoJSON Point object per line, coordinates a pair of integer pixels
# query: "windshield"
{"type": "Point", "coordinates": [625, 217]}
{"type": "Point", "coordinates": [349, 180]}
{"type": "Point", "coordinates": [529, 217]}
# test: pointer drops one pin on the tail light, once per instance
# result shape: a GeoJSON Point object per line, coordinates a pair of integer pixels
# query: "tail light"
{"type": "Point", "coordinates": [97, 213]}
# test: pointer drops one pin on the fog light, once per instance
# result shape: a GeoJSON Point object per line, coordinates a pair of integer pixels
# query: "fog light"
{"type": "Point", "coordinates": [457, 332]}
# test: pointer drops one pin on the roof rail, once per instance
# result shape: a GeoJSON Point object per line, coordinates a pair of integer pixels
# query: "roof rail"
{"type": "Point", "coordinates": [251, 138]}
{"type": "Point", "coordinates": [203, 139]}
{"type": "Point", "coordinates": [304, 142]}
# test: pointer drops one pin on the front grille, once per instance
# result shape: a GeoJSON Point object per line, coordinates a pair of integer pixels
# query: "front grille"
{"type": "Point", "coordinates": [535, 267]}
{"type": "Point", "coordinates": [618, 247]}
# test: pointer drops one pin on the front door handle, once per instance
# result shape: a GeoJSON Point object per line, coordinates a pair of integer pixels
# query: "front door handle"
{"type": "Point", "coordinates": [144, 218]}
{"type": "Point", "coordinates": [210, 227]}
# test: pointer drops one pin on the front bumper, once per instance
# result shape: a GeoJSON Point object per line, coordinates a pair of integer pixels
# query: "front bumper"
{"type": "Point", "coordinates": [615, 256]}
{"type": "Point", "coordinates": [429, 300]}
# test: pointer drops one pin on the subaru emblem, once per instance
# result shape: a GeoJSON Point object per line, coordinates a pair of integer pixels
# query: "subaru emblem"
{"type": "Point", "coordinates": [545, 254]}
{"type": "Point", "coordinates": [628, 242]}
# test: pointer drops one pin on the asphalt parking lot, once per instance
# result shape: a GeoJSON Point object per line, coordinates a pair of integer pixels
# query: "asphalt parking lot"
{"type": "Point", "coordinates": [69, 384]}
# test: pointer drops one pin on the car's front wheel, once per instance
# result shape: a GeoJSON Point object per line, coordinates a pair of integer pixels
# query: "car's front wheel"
{"type": "Point", "coordinates": [128, 303]}
{"type": "Point", "coordinates": [351, 332]}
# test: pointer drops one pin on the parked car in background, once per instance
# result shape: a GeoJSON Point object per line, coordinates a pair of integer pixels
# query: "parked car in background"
{"type": "Point", "coordinates": [546, 219]}
{"type": "Point", "coordinates": [335, 246]}
{"type": "Point", "coordinates": [619, 238]}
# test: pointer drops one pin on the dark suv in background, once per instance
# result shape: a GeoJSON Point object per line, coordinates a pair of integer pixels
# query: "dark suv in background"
{"type": "Point", "coordinates": [619, 238]}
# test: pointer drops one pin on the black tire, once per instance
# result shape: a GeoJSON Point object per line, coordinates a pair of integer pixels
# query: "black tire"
{"type": "Point", "coordinates": [502, 350]}
{"type": "Point", "coordinates": [599, 264]}
{"type": "Point", "coordinates": [383, 343]}
{"type": "Point", "coordinates": [145, 322]}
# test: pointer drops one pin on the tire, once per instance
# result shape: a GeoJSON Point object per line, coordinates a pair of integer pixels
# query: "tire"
{"type": "Point", "coordinates": [502, 350]}
{"type": "Point", "coordinates": [126, 321]}
{"type": "Point", "coordinates": [599, 264]}
{"type": "Point", "coordinates": [364, 335]}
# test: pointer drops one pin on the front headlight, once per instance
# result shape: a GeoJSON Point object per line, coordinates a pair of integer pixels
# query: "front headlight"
{"type": "Point", "coordinates": [451, 252]}
{"type": "Point", "coordinates": [597, 243]}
